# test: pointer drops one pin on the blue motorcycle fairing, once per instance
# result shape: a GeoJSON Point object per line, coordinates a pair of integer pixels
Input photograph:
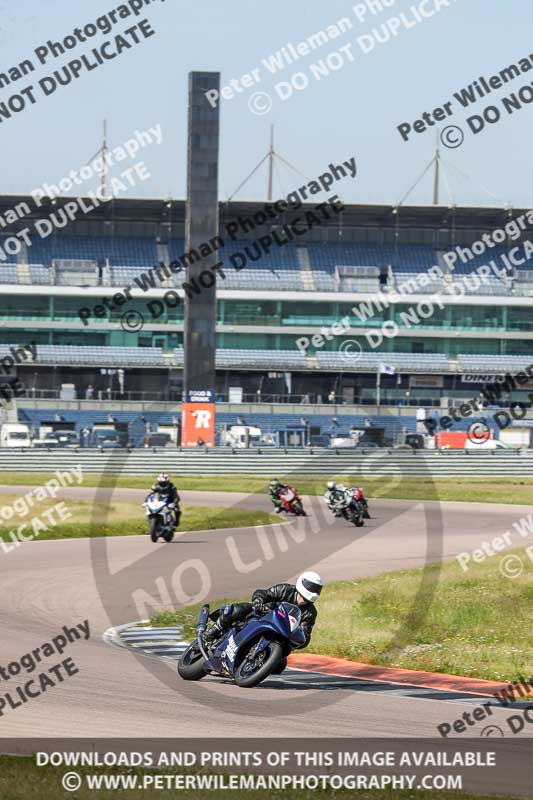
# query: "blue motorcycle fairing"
{"type": "Point", "coordinates": [275, 622]}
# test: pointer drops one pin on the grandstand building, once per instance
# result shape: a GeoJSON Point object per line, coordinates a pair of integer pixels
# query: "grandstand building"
{"type": "Point", "coordinates": [314, 321]}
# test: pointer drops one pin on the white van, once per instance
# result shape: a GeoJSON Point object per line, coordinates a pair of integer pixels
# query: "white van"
{"type": "Point", "coordinates": [14, 435]}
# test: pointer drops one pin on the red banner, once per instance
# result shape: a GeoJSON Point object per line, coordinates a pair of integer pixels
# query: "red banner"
{"type": "Point", "coordinates": [198, 424]}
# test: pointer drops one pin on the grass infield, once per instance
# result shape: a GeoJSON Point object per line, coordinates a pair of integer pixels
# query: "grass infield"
{"type": "Point", "coordinates": [477, 624]}
{"type": "Point", "coordinates": [116, 518]}
{"type": "Point", "coordinates": [482, 490]}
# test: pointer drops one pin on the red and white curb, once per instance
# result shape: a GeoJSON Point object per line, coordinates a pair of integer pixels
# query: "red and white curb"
{"type": "Point", "coordinates": [167, 644]}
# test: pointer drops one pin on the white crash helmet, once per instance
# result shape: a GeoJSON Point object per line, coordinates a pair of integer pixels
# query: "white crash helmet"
{"type": "Point", "coordinates": [331, 485]}
{"type": "Point", "coordinates": [309, 585]}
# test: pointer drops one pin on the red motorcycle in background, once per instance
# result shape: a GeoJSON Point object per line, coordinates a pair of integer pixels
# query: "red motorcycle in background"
{"type": "Point", "coordinates": [359, 496]}
{"type": "Point", "coordinates": [290, 502]}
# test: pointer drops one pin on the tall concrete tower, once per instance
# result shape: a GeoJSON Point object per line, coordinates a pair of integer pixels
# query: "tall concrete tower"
{"type": "Point", "coordinates": [201, 226]}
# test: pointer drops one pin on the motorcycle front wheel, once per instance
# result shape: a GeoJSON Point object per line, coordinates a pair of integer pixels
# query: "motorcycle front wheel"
{"type": "Point", "coordinates": [252, 671]}
{"type": "Point", "coordinates": [154, 523]}
{"type": "Point", "coordinates": [168, 535]}
{"type": "Point", "coordinates": [191, 664]}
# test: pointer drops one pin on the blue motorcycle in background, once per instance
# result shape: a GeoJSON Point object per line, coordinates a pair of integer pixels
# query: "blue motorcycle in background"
{"type": "Point", "coordinates": [249, 651]}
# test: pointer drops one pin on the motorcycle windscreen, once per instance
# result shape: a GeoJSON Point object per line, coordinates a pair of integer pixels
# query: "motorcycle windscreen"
{"type": "Point", "coordinates": [295, 634]}
{"type": "Point", "coordinates": [155, 503]}
{"type": "Point", "coordinates": [288, 495]}
{"type": "Point", "coordinates": [293, 614]}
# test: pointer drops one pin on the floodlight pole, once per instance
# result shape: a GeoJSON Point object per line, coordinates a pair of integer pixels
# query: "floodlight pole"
{"type": "Point", "coordinates": [103, 178]}
{"type": "Point", "coordinates": [269, 156]}
{"type": "Point", "coordinates": [271, 164]}
{"type": "Point", "coordinates": [437, 175]}
{"type": "Point", "coordinates": [103, 151]}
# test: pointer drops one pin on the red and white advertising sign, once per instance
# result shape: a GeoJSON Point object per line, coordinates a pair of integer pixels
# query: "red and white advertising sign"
{"type": "Point", "coordinates": [198, 420]}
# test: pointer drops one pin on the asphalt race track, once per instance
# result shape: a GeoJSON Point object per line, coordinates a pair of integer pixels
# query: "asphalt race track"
{"type": "Point", "coordinates": [49, 584]}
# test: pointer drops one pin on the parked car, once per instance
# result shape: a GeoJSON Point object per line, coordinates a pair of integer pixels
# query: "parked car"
{"type": "Point", "coordinates": [108, 439]}
{"type": "Point", "coordinates": [64, 438]}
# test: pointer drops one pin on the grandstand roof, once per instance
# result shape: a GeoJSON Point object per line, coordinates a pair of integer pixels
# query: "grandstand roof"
{"type": "Point", "coordinates": [159, 211]}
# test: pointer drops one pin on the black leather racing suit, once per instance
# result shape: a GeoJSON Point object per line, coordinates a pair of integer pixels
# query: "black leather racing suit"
{"type": "Point", "coordinates": [281, 592]}
{"type": "Point", "coordinates": [171, 493]}
{"type": "Point", "coordinates": [286, 592]}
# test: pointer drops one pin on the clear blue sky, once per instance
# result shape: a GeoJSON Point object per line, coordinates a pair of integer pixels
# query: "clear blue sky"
{"type": "Point", "coordinates": [353, 112]}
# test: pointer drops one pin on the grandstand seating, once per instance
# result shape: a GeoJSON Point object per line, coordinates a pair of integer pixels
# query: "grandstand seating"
{"type": "Point", "coordinates": [278, 258]}
{"type": "Point", "coordinates": [7, 258]}
{"type": "Point", "coordinates": [176, 248]}
{"type": "Point", "coordinates": [72, 355]}
{"type": "Point", "coordinates": [40, 275]}
{"type": "Point", "coordinates": [286, 359]}
{"type": "Point", "coordinates": [284, 258]}
{"type": "Point", "coordinates": [495, 253]}
{"type": "Point", "coordinates": [120, 276]}
{"type": "Point", "coordinates": [324, 281]}
{"type": "Point", "coordinates": [300, 267]}
{"type": "Point", "coordinates": [325, 265]}
{"type": "Point", "coordinates": [405, 282]}
{"type": "Point", "coordinates": [228, 358]}
{"type": "Point", "coordinates": [119, 250]}
{"type": "Point", "coordinates": [8, 274]}
{"type": "Point", "coordinates": [254, 359]}
{"type": "Point", "coordinates": [407, 258]}
{"type": "Point", "coordinates": [262, 279]}
{"type": "Point", "coordinates": [493, 364]}
{"type": "Point", "coordinates": [407, 362]}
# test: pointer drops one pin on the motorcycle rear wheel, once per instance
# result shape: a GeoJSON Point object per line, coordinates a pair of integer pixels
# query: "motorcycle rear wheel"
{"type": "Point", "coordinates": [168, 535]}
{"type": "Point", "coordinates": [191, 664]}
{"type": "Point", "coordinates": [154, 523]}
{"type": "Point", "coordinates": [356, 519]}
{"type": "Point", "coordinates": [247, 675]}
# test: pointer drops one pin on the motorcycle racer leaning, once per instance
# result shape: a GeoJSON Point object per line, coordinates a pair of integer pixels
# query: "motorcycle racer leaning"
{"type": "Point", "coordinates": [337, 497]}
{"type": "Point", "coordinates": [360, 497]}
{"type": "Point", "coordinates": [274, 488]}
{"type": "Point", "coordinates": [304, 595]}
{"type": "Point", "coordinates": [166, 488]}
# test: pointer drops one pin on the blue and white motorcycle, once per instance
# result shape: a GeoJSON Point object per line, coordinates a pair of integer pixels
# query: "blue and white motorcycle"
{"type": "Point", "coordinates": [160, 517]}
{"type": "Point", "coordinates": [249, 651]}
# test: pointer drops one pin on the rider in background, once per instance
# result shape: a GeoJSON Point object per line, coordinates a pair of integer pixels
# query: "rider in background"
{"type": "Point", "coordinates": [274, 489]}
{"type": "Point", "coordinates": [337, 497]}
{"type": "Point", "coordinates": [304, 595]}
{"type": "Point", "coordinates": [167, 489]}
{"type": "Point", "coordinates": [360, 496]}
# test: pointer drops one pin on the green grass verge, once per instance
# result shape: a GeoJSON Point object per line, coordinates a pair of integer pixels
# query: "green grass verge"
{"type": "Point", "coordinates": [475, 624]}
{"type": "Point", "coordinates": [482, 490]}
{"type": "Point", "coordinates": [21, 779]}
{"type": "Point", "coordinates": [116, 518]}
